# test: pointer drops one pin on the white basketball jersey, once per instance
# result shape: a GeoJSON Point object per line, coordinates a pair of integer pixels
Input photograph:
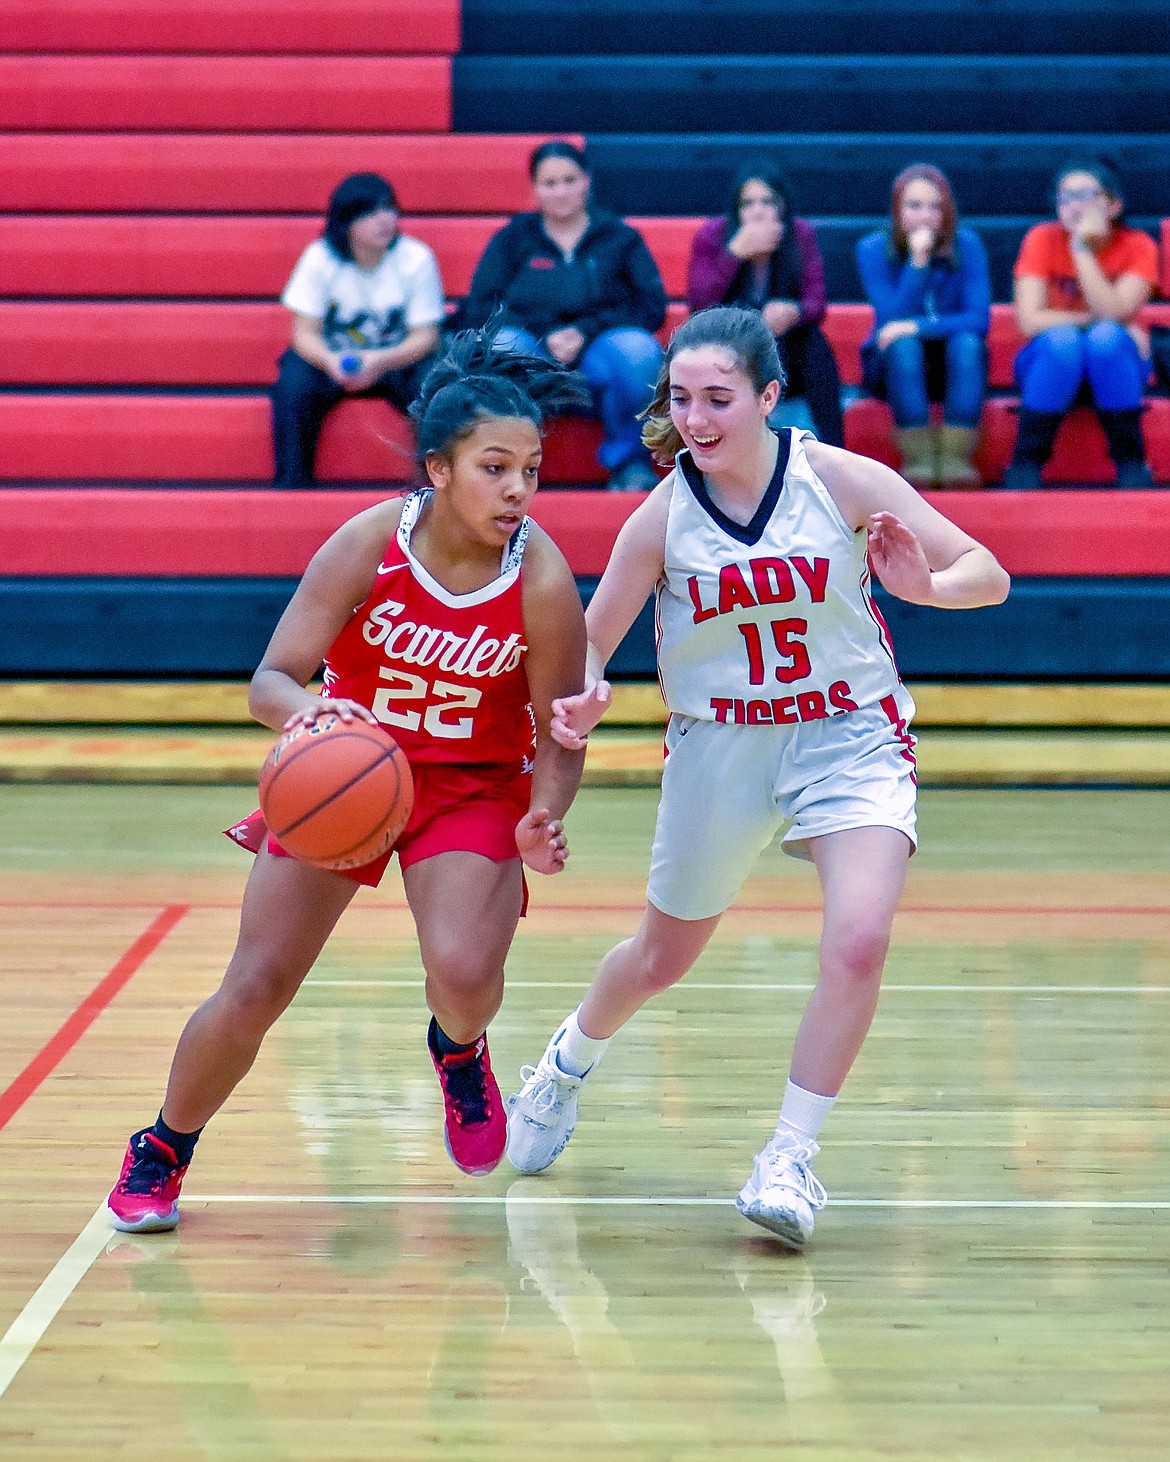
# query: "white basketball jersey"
{"type": "Point", "coordinates": [771, 623]}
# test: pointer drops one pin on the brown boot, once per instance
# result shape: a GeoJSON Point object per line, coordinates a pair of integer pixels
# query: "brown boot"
{"type": "Point", "coordinates": [955, 446]}
{"type": "Point", "coordinates": [916, 444]}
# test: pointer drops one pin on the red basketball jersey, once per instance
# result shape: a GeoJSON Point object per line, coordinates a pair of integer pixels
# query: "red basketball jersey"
{"type": "Point", "coordinates": [443, 672]}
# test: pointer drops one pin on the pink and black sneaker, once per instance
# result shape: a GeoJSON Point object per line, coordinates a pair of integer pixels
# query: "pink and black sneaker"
{"type": "Point", "coordinates": [145, 1198]}
{"type": "Point", "coordinates": [476, 1125]}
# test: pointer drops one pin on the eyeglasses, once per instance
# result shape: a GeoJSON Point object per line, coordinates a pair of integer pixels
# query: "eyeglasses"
{"type": "Point", "coordinates": [1078, 195]}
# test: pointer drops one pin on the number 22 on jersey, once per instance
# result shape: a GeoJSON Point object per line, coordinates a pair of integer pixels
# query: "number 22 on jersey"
{"type": "Point", "coordinates": [411, 701]}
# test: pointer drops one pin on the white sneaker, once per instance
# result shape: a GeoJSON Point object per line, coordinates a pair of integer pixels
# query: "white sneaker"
{"type": "Point", "coordinates": [783, 1193]}
{"type": "Point", "coordinates": [543, 1113]}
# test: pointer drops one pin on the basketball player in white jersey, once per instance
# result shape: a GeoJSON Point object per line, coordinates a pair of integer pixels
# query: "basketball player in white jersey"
{"type": "Point", "coordinates": [786, 710]}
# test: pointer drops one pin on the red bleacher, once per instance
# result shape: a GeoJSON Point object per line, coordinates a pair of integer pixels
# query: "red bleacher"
{"type": "Point", "coordinates": [1166, 257]}
{"type": "Point", "coordinates": [226, 437]}
{"type": "Point", "coordinates": [63, 174]}
{"type": "Point", "coordinates": [399, 27]}
{"type": "Point", "coordinates": [142, 252]}
{"type": "Point", "coordinates": [122, 438]}
{"type": "Point", "coordinates": [251, 93]}
{"type": "Point", "coordinates": [256, 533]}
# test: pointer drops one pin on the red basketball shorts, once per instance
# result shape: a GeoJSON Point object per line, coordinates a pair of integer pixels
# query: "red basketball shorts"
{"type": "Point", "coordinates": [457, 809]}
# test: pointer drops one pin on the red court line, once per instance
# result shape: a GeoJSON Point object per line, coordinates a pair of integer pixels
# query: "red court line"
{"type": "Point", "coordinates": [59, 1045]}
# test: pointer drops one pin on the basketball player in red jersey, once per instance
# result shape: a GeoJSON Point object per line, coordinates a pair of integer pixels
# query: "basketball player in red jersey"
{"type": "Point", "coordinates": [787, 711]}
{"type": "Point", "coordinates": [451, 619]}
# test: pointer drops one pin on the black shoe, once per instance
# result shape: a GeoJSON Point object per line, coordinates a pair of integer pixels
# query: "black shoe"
{"type": "Point", "coordinates": [1133, 475]}
{"type": "Point", "coordinates": [1022, 477]}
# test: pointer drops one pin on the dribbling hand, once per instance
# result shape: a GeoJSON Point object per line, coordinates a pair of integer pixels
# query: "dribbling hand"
{"type": "Point", "coordinates": [541, 841]}
{"type": "Point", "coordinates": [574, 716]}
{"type": "Point", "coordinates": [898, 559]}
{"type": "Point", "coordinates": [326, 706]}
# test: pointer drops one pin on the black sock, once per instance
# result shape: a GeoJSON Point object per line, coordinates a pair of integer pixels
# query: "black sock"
{"type": "Point", "coordinates": [443, 1043]}
{"type": "Point", "coordinates": [182, 1144]}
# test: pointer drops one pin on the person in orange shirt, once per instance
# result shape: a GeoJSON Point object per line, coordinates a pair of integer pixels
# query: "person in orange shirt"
{"type": "Point", "coordinates": [1079, 284]}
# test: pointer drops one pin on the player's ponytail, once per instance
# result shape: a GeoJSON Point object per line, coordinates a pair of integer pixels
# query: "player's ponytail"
{"type": "Point", "coordinates": [476, 379]}
{"type": "Point", "coordinates": [743, 334]}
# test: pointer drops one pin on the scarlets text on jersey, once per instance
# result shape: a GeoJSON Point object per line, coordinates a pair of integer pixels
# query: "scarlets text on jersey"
{"type": "Point", "coordinates": [444, 673]}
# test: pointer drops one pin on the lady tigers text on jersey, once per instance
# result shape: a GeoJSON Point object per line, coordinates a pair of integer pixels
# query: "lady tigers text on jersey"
{"type": "Point", "coordinates": [771, 622]}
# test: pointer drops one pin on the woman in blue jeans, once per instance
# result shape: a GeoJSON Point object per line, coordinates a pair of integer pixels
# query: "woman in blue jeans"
{"type": "Point", "coordinates": [1079, 284]}
{"type": "Point", "coordinates": [579, 285]}
{"type": "Point", "coordinates": [928, 281]}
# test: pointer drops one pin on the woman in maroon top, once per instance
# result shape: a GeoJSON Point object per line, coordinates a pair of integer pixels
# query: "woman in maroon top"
{"type": "Point", "coordinates": [760, 257]}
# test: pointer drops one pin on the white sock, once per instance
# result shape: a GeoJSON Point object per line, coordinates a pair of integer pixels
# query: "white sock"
{"type": "Point", "coordinates": [578, 1053]}
{"type": "Point", "coordinates": [803, 1112]}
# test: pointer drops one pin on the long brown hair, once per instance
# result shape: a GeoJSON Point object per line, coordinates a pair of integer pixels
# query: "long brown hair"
{"type": "Point", "coordinates": [743, 334]}
{"type": "Point", "coordinates": [944, 246]}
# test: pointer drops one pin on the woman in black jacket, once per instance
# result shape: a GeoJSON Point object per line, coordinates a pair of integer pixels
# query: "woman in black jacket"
{"type": "Point", "coordinates": [579, 285]}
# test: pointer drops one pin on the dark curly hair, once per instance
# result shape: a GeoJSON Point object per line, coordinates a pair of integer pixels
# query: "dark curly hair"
{"type": "Point", "coordinates": [476, 379]}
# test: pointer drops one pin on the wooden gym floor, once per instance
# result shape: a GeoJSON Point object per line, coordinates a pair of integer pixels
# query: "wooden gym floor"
{"type": "Point", "coordinates": [990, 1280]}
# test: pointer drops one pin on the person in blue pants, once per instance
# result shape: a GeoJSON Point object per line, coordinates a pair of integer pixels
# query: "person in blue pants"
{"type": "Point", "coordinates": [927, 277]}
{"type": "Point", "coordinates": [579, 285]}
{"type": "Point", "coordinates": [1080, 282]}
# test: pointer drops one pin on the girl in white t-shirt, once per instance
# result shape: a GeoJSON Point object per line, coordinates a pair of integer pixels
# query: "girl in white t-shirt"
{"type": "Point", "coordinates": [367, 302]}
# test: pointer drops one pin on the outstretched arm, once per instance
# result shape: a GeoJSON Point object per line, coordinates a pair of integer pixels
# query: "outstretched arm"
{"type": "Point", "coordinates": [917, 554]}
{"type": "Point", "coordinates": [554, 627]}
{"type": "Point", "coordinates": [335, 583]}
{"type": "Point", "coordinates": [635, 567]}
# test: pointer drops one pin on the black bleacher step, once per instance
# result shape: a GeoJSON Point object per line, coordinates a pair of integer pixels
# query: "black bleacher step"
{"type": "Point", "coordinates": [960, 94]}
{"type": "Point", "coordinates": [1120, 628]}
{"type": "Point", "coordinates": [837, 238]}
{"type": "Point", "coordinates": [818, 27]}
{"type": "Point", "coordinates": [850, 173]}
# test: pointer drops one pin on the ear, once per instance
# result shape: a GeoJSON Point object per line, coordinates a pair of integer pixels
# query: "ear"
{"type": "Point", "coordinates": [438, 470]}
{"type": "Point", "coordinates": [770, 397]}
{"type": "Point", "coordinates": [1113, 207]}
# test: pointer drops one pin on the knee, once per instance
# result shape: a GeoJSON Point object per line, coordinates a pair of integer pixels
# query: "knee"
{"type": "Point", "coordinates": [658, 968]}
{"type": "Point", "coordinates": [1061, 347]}
{"type": "Point", "coordinates": [301, 393]}
{"type": "Point", "coordinates": [966, 349]}
{"type": "Point", "coordinates": [1106, 340]}
{"type": "Point", "coordinates": [856, 956]}
{"type": "Point", "coordinates": [905, 357]}
{"type": "Point", "coordinates": [516, 341]}
{"type": "Point", "coordinates": [632, 357]}
{"type": "Point", "coordinates": [255, 996]}
{"type": "Point", "coordinates": [462, 977]}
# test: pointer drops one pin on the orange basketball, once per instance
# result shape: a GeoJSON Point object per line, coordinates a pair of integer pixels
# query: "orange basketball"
{"type": "Point", "coordinates": [336, 794]}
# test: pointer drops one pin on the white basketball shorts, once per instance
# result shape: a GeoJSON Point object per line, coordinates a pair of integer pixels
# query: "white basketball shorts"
{"type": "Point", "coordinates": [727, 791]}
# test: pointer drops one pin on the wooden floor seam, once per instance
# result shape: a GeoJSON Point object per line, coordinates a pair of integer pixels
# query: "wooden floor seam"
{"type": "Point", "coordinates": [629, 757]}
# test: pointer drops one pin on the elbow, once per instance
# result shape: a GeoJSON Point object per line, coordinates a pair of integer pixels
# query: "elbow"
{"type": "Point", "coordinates": [1001, 585]}
{"type": "Point", "coordinates": [255, 699]}
{"type": "Point", "coordinates": [256, 695]}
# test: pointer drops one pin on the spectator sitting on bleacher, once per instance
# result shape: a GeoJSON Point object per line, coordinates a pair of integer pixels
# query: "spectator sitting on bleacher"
{"type": "Point", "coordinates": [928, 281]}
{"type": "Point", "coordinates": [579, 285]}
{"type": "Point", "coordinates": [760, 256]}
{"type": "Point", "coordinates": [1079, 284]}
{"type": "Point", "coordinates": [367, 302]}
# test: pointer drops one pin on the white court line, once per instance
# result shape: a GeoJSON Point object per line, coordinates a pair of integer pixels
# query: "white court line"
{"type": "Point", "coordinates": [644, 1200]}
{"type": "Point", "coordinates": [768, 985]}
{"type": "Point", "coordinates": [26, 1330]}
{"type": "Point", "coordinates": [40, 1312]}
